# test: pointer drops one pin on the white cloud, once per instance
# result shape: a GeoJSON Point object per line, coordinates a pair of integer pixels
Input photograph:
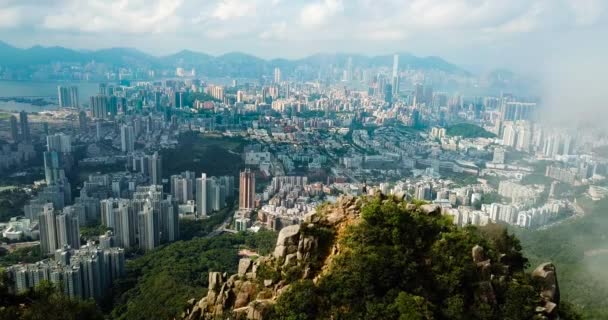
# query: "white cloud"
{"type": "Point", "coordinates": [10, 17]}
{"type": "Point", "coordinates": [276, 32]}
{"type": "Point", "coordinates": [121, 16]}
{"type": "Point", "coordinates": [587, 12]}
{"type": "Point", "coordinates": [230, 9]}
{"type": "Point", "coordinates": [299, 27]}
{"type": "Point", "coordinates": [319, 13]}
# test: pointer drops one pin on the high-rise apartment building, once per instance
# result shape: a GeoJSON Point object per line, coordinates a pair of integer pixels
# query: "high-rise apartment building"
{"type": "Point", "coordinates": [127, 138]}
{"type": "Point", "coordinates": [14, 129]}
{"type": "Point", "coordinates": [247, 190]}
{"type": "Point", "coordinates": [68, 229]}
{"type": "Point", "coordinates": [48, 233]}
{"type": "Point", "coordinates": [25, 127]}
{"type": "Point", "coordinates": [277, 75]}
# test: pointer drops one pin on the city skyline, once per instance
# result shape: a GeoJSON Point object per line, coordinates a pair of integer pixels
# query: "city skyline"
{"type": "Point", "coordinates": [528, 30]}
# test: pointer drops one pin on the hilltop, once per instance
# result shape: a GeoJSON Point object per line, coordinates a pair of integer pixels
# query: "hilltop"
{"type": "Point", "coordinates": [383, 258]}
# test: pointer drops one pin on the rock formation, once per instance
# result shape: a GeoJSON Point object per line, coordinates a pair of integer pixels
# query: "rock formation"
{"type": "Point", "coordinates": [257, 284]}
{"type": "Point", "coordinates": [305, 252]}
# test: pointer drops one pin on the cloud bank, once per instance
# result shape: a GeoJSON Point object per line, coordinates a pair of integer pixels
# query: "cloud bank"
{"type": "Point", "coordinates": [271, 28]}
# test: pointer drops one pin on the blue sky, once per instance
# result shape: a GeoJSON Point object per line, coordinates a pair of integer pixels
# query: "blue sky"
{"type": "Point", "coordinates": [474, 33]}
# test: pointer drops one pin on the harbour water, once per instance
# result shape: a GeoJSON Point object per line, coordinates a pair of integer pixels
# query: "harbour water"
{"type": "Point", "coordinates": [42, 89]}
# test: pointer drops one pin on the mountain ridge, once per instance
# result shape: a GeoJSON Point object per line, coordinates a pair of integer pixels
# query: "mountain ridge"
{"type": "Point", "coordinates": [12, 56]}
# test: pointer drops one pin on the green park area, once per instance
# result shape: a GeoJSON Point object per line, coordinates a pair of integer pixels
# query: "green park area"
{"type": "Point", "coordinates": [213, 154]}
{"type": "Point", "coordinates": [467, 130]}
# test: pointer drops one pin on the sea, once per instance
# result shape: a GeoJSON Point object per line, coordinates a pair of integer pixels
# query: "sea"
{"type": "Point", "coordinates": [42, 89]}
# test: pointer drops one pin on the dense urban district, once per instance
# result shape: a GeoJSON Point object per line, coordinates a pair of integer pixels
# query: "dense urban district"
{"type": "Point", "coordinates": [129, 203]}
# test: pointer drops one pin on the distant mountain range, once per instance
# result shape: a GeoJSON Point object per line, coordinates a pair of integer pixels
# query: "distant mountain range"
{"type": "Point", "coordinates": [229, 64]}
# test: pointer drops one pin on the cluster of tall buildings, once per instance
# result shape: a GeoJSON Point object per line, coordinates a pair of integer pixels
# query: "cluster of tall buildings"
{"type": "Point", "coordinates": [147, 220]}
{"type": "Point", "coordinates": [150, 166]}
{"type": "Point", "coordinates": [20, 130]}
{"type": "Point", "coordinates": [85, 272]}
{"type": "Point", "coordinates": [58, 229]}
{"type": "Point", "coordinates": [212, 193]}
{"type": "Point", "coordinates": [68, 97]}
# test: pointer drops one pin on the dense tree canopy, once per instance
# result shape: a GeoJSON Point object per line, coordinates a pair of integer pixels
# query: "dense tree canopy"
{"type": "Point", "coordinates": [403, 264]}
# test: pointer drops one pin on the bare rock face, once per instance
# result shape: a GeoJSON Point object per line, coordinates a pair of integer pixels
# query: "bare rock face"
{"type": "Point", "coordinates": [244, 266]}
{"type": "Point", "coordinates": [287, 241]}
{"type": "Point", "coordinates": [546, 275]}
{"type": "Point", "coordinates": [431, 209]}
{"type": "Point", "coordinates": [478, 254]}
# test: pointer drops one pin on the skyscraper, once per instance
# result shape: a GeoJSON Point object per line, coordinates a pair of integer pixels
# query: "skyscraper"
{"type": "Point", "coordinates": [201, 196]}
{"type": "Point", "coordinates": [169, 220]}
{"type": "Point", "coordinates": [247, 190]}
{"type": "Point", "coordinates": [63, 96]}
{"type": "Point", "coordinates": [395, 78]}
{"type": "Point", "coordinates": [182, 186]}
{"type": "Point", "coordinates": [74, 97]}
{"type": "Point", "coordinates": [48, 234]}
{"type": "Point", "coordinates": [127, 138]}
{"type": "Point", "coordinates": [100, 107]}
{"type": "Point", "coordinates": [67, 97]}
{"type": "Point", "coordinates": [68, 229]}
{"type": "Point", "coordinates": [14, 129]}
{"type": "Point", "coordinates": [59, 143]}
{"type": "Point", "coordinates": [25, 127]}
{"type": "Point", "coordinates": [155, 164]}
{"type": "Point", "coordinates": [83, 121]}
{"type": "Point", "coordinates": [277, 75]}
{"type": "Point", "coordinates": [148, 227]}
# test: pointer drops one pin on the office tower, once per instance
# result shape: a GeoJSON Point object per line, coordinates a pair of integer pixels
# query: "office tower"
{"type": "Point", "coordinates": [239, 96]}
{"type": "Point", "coordinates": [14, 129]}
{"type": "Point", "coordinates": [68, 229]}
{"type": "Point", "coordinates": [395, 77]}
{"type": "Point", "coordinates": [201, 196]}
{"type": "Point", "coordinates": [148, 227]}
{"type": "Point", "coordinates": [25, 127]}
{"type": "Point", "coordinates": [182, 186]}
{"type": "Point", "coordinates": [83, 122]}
{"type": "Point", "coordinates": [277, 75]}
{"type": "Point", "coordinates": [48, 234]}
{"type": "Point", "coordinates": [127, 138]}
{"type": "Point", "coordinates": [247, 190]}
{"type": "Point", "coordinates": [155, 163]}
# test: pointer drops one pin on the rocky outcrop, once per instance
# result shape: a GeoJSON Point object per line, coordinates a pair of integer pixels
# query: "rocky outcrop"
{"type": "Point", "coordinates": [546, 277]}
{"type": "Point", "coordinates": [306, 251]}
{"type": "Point", "coordinates": [257, 284]}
